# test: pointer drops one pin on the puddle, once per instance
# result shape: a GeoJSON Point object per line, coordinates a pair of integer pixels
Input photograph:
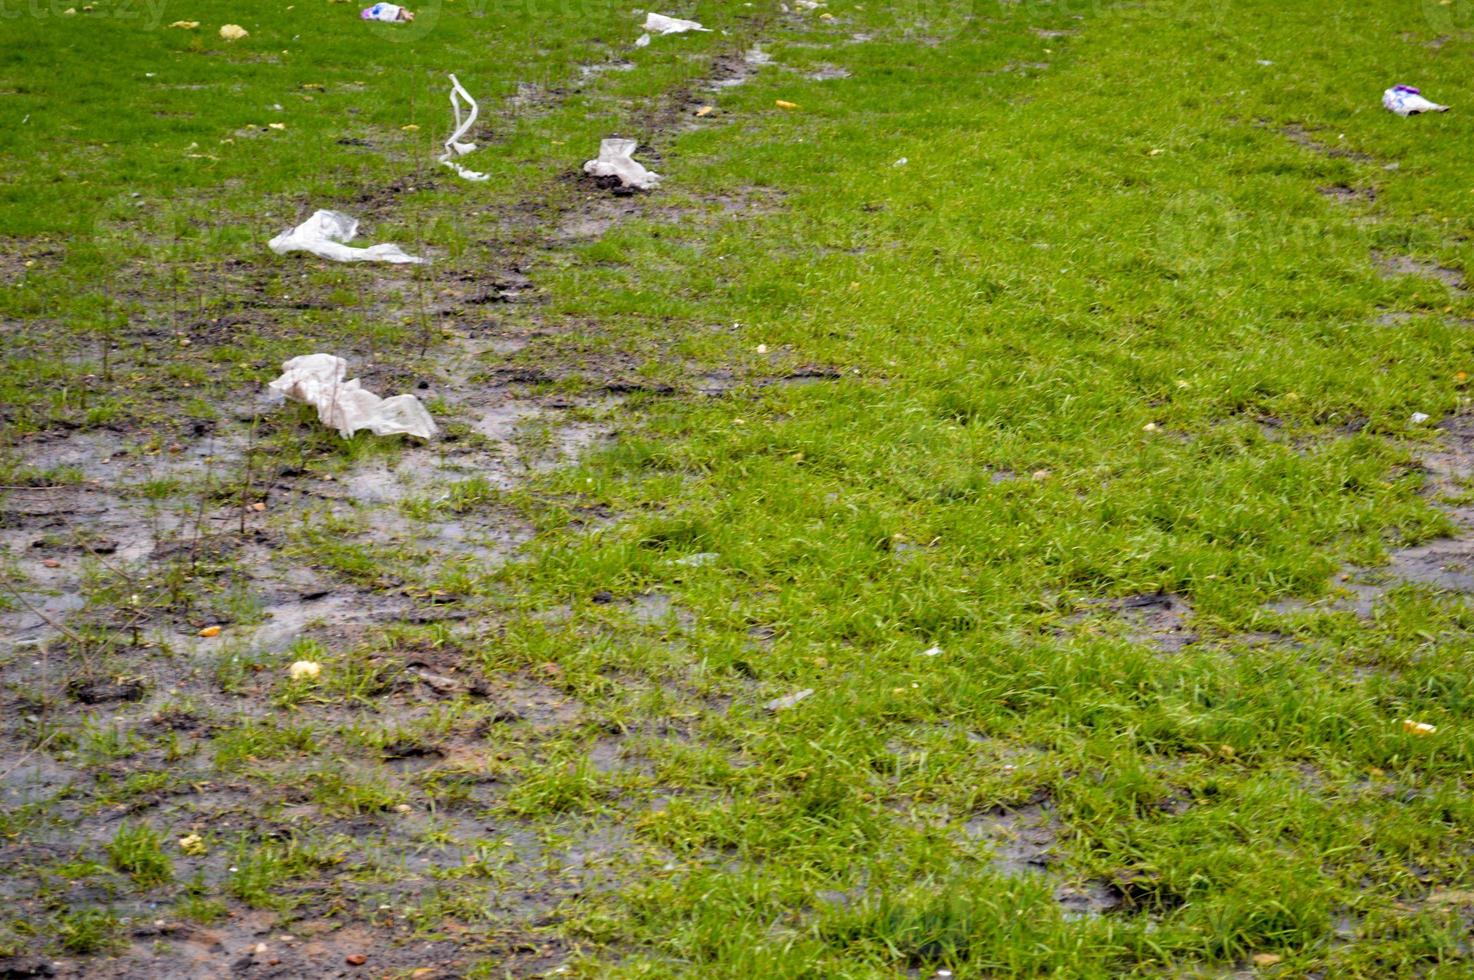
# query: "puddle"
{"type": "Point", "coordinates": [1346, 194]}
{"type": "Point", "coordinates": [828, 73]}
{"type": "Point", "coordinates": [1158, 619]}
{"type": "Point", "coordinates": [1023, 839]}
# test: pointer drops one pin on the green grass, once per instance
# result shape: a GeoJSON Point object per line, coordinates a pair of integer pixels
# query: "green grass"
{"type": "Point", "coordinates": [1101, 335]}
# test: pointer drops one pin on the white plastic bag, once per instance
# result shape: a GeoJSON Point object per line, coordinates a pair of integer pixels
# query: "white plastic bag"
{"type": "Point", "coordinates": [386, 12]}
{"type": "Point", "coordinates": [453, 146]}
{"type": "Point", "coordinates": [1408, 101]}
{"type": "Point", "coordinates": [661, 24]}
{"type": "Point", "coordinates": [317, 380]}
{"type": "Point", "coordinates": [323, 235]}
{"type": "Point", "coordinates": [615, 160]}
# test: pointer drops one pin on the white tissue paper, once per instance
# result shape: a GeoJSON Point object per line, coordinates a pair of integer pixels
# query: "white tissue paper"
{"type": "Point", "coordinates": [317, 380]}
{"type": "Point", "coordinates": [1408, 101]}
{"type": "Point", "coordinates": [615, 160]}
{"type": "Point", "coordinates": [661, 24]}
{"type": "Point", "coordinates": [323, 235]}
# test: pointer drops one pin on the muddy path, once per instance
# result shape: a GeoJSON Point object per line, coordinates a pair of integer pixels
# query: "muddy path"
{"type": "Point", "coordinates": [160, 573]}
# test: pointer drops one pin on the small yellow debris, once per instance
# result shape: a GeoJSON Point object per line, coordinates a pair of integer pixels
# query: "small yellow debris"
{"type": "Point", "coordinates": [304, 670]}
{"type": "Point", "coordinates": [703, 111]}
{"type": "Point", "coordinates": [185, 25]}
{"type": "Point", "coordinates": [1418, 727]}
{"type": "Point", "coordinates": [1181, 383]}
{"type": "Point", "coordinates": [70, 11]}
{"type": "Point", "coordinates": [1149, 427]}
{"type": "Point", "coordinates": [1226, 751]}
{"type": "Point", "coordinates": [233, 32]}
{"type": "Point", "coordinates": [826, 16]}
{"type": "Point", "coordinates": [411, 128]}
{"type": "Point", "coordinates": [193, 845]}
{"type": "Point", "coordinates": [1156, 153]}
{"type": "Point", "coordinates": [210, 631]}
{"type": "Point", "coordinates": [1265, 959]}
{"type": "Point", "coordinates": [785, 104]}
{"type": "Point", "coordinates": [276, 125]}
{"type": "Point", "coordinates": [258, 506]}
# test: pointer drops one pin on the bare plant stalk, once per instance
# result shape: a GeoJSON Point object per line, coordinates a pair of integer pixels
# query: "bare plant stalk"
{"type": "Point", "coordinates": [250, 470]}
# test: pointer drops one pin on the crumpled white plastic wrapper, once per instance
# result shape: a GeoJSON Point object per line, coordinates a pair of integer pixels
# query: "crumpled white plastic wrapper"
{"type": "Point", "coordinates": [615, 160]}
{"type": "Point", "coordinates": [661, 24]}
{"type": "Point", "coordinates": [1408, 101]}
{"type": "Point", "coordinates": [317, 380]}
{"type": "Point", "coordinates": [386, 12]}
{"type": "Point", "coordinates": [453, 146]}
{"type": "Point", "coordinates": [324, 235]}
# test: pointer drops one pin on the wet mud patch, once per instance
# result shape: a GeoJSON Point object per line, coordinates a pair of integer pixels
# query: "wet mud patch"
{"type": "Point", "coordinates": [1346, 194]}
{"type": "Point", "coordinates": [1398, 266]}
{"type": "Point", "coordinates": [1161, 620]}
{"type": "Point", "coordinates": [255, 944]}
{"type": "Point", "coordinates": [1304, 137]}
{"type": "Point", "coordinates": [1446, 564]}
{"type": "Point", "coordinates": [1023, 839]}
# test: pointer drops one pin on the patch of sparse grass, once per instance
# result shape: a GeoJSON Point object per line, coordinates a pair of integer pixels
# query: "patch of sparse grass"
{"type": "Point", "coordinates": [137, 850]}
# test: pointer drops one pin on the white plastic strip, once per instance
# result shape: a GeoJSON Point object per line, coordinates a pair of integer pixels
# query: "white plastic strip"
{"type": "Point", "coordinates": [453, 146]}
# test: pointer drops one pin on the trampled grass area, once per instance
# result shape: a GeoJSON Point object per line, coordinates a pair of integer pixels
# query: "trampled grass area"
{"type": "Point", "coordinates": [1037, 392]}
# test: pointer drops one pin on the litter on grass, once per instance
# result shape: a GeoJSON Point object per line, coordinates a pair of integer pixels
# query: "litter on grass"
{"type": "Point", "coordinates": [661, 24]}
{"type": "Point", "coordinates": [932, 652]}
{"type": "Point", "coordinates": [185, 25]}
{"type": "Point", "coordinates": [233, 32]}
{"type": "Point", "coordinates": [317, 380]}
{"type": "Point", "coordinates": [1418, 727]}
{"type": "Point", "coordinates": [643, 41]}
{"type": "Point", "coordinates": [304, 670]}
{"type": "Point", "coordinates": [788, 700]}
{"type": "Point", "coordinates": [616, 160]}
{"type": "Point", "coordinates": [1408, 101]}
{"type": "Point", "coordinates": [388, 13]}
{"type": "Point", "coordinates": [1418, 418]}
{"type": "Point", "coordinates": [325, 234]}
{"type": "Point", "coordinates": [453, 146]}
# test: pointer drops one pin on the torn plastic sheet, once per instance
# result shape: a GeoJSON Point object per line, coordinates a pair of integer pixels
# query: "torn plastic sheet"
{"type": "Point", "coordinates": [317, 380]}
{"type": "Point", "coordinates": [324, 235]}
{"type": "Point", "coordinates": [453, 146]}
{"type": "Point", "coordinates": [615, 160]}
{"type": "Point", "coordinates": [789, 700]}
{"type": "Point", "coordinates": [661, 24]}
{"type": "Point", "coordinates": [1408, 101]}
